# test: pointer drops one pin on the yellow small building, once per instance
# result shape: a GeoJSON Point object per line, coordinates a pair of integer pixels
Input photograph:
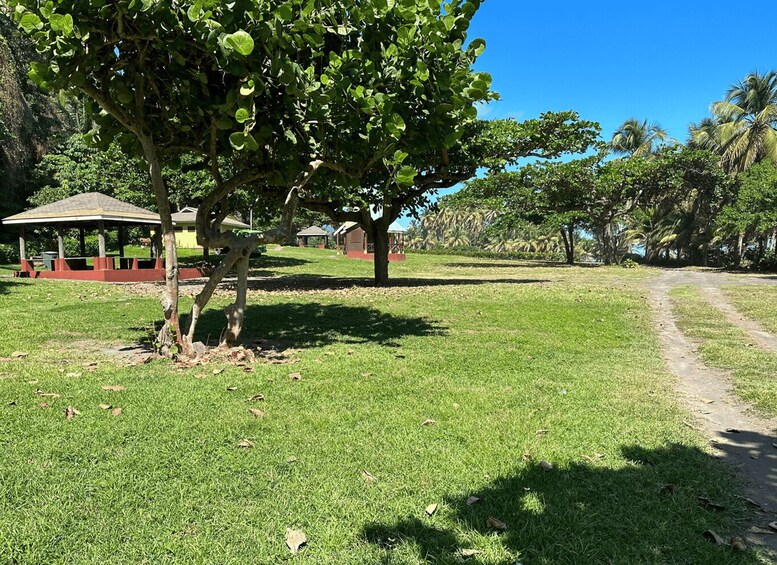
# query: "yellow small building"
{"type": "Point", "coordinates": [186, 234]}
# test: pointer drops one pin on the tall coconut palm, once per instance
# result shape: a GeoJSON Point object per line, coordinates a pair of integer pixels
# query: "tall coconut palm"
{"type": "Point", "coordinates": [705, 135]}
{"type": "Point", "coordinates": [748, 118]}
{"type": "Point", "coordinates": [637, 139]}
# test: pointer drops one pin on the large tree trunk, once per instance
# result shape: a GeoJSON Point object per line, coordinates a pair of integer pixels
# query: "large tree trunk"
{"type": "Point", "coordinates": [169, 335]}
{"type": "Point", "coordinates": [380, 239]}
{"type": "Point", "coordinates": [608, 245]}
{"type": "Point", "coordinates": [236, 312]}
{"type": "Point", "coordinates": [568, 237]}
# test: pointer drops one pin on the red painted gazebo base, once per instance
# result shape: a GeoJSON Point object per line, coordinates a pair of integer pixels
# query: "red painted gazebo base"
{"type": "Point", "coordinates": [111, 275]}
{"type": "Point", "coordinates": [393, 257]}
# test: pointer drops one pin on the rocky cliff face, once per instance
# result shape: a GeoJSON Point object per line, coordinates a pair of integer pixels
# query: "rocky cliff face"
{"type": "Point", "coordinates": [30, 120]}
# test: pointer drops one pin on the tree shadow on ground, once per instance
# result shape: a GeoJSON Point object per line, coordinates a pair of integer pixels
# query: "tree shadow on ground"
{"type": "Point", "coordinates": [645, 511]}
{"type": "Point", "coordinates": [305, 325]}
{"type": "Point", "coordinates": [517, 263]}
{"type": "Point", "coordinates": [5, 285]}
{"type": "Point", "coordinates": [303, 283]}
{"type": "Point", "coordinates": [263, 261]}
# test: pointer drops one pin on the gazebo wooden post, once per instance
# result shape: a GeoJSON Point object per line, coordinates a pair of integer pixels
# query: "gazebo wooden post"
{"type": "Point", "coordinates": [101, 238]}
{"type": "Point", "coordinates": [61, 243]}
{"type": "Point", "coordinates": [22, 244]}
{"type": "Point", "coordinates": [121, 241]}
{"type": "Point", "coordinates": [81, 242]}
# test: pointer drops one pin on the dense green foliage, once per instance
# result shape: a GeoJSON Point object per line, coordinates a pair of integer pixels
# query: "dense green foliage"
{"type": "Point", "coordinates": [30, 120]}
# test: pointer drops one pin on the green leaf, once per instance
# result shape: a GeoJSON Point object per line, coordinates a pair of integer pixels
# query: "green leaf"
{"type": "Point", "coordinates": [62, 23]}
{"type": "Point", "coordinates": [395, 125]}
{"type": "Point", "coordinates": [285, 12]}
{"type": "Point", "coordinates": [224, 123]}
{"type": "Point", "coordinates": [241, 42]}
{"type": "Point", "coordinates": [30, 22]}
{"type": "Point", "coordinates": [247, 89]}
{"type": "Point", "coordinates": [194, 11]}
{"type": "Point", "coordinates": [242, 115]}
{"type": "Point", "coordinates": [405, 176]}
{"type": "Point", "coordinates": [237, 140]}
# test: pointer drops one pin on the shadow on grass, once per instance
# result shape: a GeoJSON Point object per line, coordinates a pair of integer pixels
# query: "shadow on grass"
{"type": "Point", "coordinates": [314, 325]}
{"type": "Point", "coordinates": [518, 263]}
{"type": "Point", "coordinates": [302, 283]}
{"type": "Point", "coordinates": [256, 261]}
{"type": "Point", "coordinates": [646, 511]}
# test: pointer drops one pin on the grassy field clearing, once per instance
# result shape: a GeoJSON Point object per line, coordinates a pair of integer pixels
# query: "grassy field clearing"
{"type": "Point", "coordinates": [726, 346]}
{"type": "Point", "coordinates": [515, 364]}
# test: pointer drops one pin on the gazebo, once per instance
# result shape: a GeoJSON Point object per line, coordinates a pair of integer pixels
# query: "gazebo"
{"type": "Point", "coordinates": [304, 236]}
{"type": "Point", "coordinates": [90, 210]}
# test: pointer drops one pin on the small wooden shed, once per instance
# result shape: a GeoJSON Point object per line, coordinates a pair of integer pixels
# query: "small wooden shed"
{"type": "Point", "coordinates": [354, 242]}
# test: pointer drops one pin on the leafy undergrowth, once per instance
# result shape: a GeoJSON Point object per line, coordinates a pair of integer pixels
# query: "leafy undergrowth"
{"type": "Point", "coordinates": [728, 347]}
{"type": "Point", "coordinates": [402, 398]}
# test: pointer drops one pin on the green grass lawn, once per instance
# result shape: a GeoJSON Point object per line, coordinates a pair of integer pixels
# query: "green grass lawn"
{"type": "Point", "coordinates": [515, 362]}
{"type": "Point", "coordinates": [755, 302]}
{"type": "Point", "coordinates": [726, 346]}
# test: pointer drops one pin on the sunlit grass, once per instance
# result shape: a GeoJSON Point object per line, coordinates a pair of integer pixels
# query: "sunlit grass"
{"type": "Point", "coordinates": [516, 363]}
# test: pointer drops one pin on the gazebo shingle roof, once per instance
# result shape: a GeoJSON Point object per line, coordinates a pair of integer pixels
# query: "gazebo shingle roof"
{"type": "Point", "coordinates": [188, 215]}
{"type": "Point", "coordinates": [313, 231]}
{"type": "Point", "coordinates": [86, 207]}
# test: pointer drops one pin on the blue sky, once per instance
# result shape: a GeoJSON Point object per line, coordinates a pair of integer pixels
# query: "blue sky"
{"type": "Point", "coordinates": [610, 61]}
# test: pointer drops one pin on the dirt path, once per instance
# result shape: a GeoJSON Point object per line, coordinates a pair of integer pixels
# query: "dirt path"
{"type": "Point", "coordinates": [741, 438]}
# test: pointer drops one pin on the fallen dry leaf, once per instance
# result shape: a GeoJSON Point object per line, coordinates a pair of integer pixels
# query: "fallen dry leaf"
{"type": "Point", "coordinates": [367, 476]}
{"type": "Point", "coordinates": [291, 459]}
{"type": "Point", "coordinates": [469, 552]}
{"type": "Point", "coordinates": [732, 430]}
{"type": "Point", "coordinates": [667, 489]}
{"type": "Point", "coordinates": [248, 369]}
{"type": "Point", "coordinates": [105, 406]}
{"type": "Point", "coordinates": [32, 382]}
{"type": "Point", "coordinates": [428, 422]}
{"type": "Point", "coordinates": [90, 364]}
{"type": "Point", "coordinates": [527, 457]}
{"type": "Point", "coordinates": [760, 531]}
{"type": "Point", "coordinates": [295, 539]}
{"type": "Point", "coordinates": [705, 502]}
{"type": "Point", "coordinates": [231, 388]}
{"type": "Point", "coordinates": [256, 398]}
{"type": "Point", "coordinates": [245, 443]}
{"type": "Point", "coordinates": [114, 388]}
{"type": "Point", "coordinates": [44, 405]}
{"type": "Point", "coordinates": [48, 394]}
{"type": "Point", "coordinates": [431, 509]}
{"type": "Point", "coordinates": [19, 354]}
{"type": "Point", "coordinates": [773, 525]}
{"type": "Point", "coordinates": [738, 544]}
{"type": "Point", "coordinates": [116, 411]}
{"type": "Point", "coordinates": [71, 412]}
{"type": "Point", "coordinates": [295, 376]}
{"type": "Point", "coordinates": [472, 500]}
{"type": "Point", "coordinates": [495, 524]}
{"type": "Point", "coordinates": [541, 432]}
{"type": "Point", "coordinates": [72, 374]}
{"type": "Point", "coordinates": [366, 374]}
{"type": "Point", "coordinates": [711, 536]}
{"type": "Point", "coordinates": [546, 466]}
{"type": "Point", "coordinates": [707, 401]}
{"type": "Point", "coordinates": [218, 371]}
{"type": "Point", "coordinates": [256, 412]}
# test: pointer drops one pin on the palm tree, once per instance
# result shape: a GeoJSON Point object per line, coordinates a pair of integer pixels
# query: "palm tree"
{"type": "Point", "coordinates": [748, 117]}
{"type": "Point", "coordinates": [705, 135]}
{"type": "Point", "coordinates": [637, 139]}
